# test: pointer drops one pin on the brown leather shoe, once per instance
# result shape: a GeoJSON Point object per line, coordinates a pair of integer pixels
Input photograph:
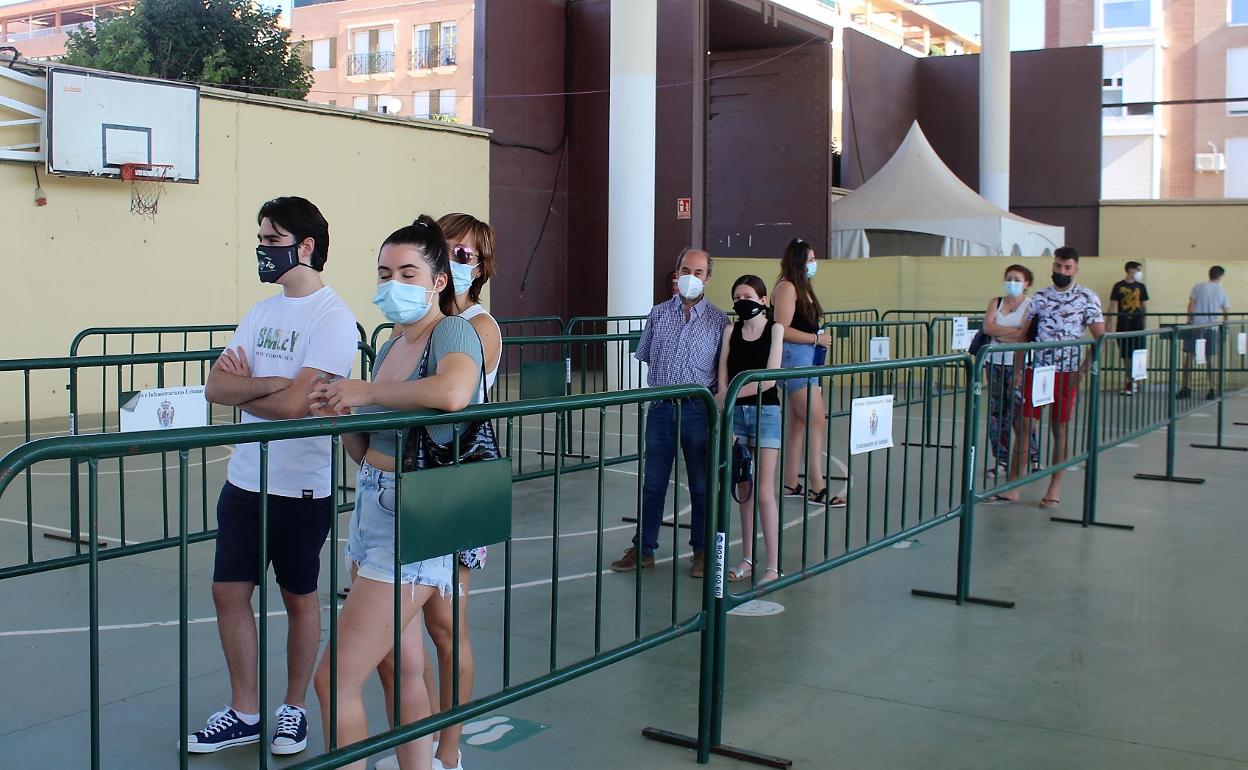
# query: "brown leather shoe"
{"type": "Point", "coordinates": [628, 562]}
{"type": "Point", "coordinates": [697, 565]}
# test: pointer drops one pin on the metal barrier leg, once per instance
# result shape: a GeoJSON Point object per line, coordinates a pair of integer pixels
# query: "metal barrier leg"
{"type": "Point", "coordinates": [1171, 423]}
{"type": "Point", "coordinates": [1222, 354]}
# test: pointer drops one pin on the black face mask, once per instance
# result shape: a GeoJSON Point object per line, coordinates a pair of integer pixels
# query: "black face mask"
{"type": "Point", "coordinates": [272, 262]}
{"type": "Point", "coordinates": [747, 309]}
{"type": "Point", "coordinates": [1062, 281]}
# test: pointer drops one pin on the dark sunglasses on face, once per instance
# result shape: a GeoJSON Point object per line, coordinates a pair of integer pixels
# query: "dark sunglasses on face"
{"type": "Point", "coordinates": [463, 255]}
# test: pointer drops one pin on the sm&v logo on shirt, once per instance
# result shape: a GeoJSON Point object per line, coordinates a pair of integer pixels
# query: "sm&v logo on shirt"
{"type": "Point", "coordinates": [277, 339]}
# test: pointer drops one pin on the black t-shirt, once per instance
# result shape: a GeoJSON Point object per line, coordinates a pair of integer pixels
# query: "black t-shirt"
{"type": "Point", "coordinates": [1130, 297]}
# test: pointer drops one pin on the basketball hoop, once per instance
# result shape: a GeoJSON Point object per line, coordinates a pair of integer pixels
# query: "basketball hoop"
{"type": "Point", "coordinates": [147, 182]}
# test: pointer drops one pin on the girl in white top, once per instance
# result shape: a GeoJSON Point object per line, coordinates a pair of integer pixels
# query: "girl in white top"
{"type": "Point", "coordinates": [1004, 321]}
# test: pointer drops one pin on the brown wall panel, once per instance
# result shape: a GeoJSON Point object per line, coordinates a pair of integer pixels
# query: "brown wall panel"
{"type": "Point", "coordinates": [880, 100]}
{"type": "Point", "coordinates": [674, 135]}
{"type": "Point", "coordinates": [521, 178]}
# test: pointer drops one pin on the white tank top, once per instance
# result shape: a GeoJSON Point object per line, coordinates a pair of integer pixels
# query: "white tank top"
{"type": "Point", "coordinates": [471, 312]}
{"type": "Point", "coordinates": [1013, 320]}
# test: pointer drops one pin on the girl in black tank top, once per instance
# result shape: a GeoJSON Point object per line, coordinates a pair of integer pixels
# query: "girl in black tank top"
{"type": "Point", "coordinates": [754, 343]}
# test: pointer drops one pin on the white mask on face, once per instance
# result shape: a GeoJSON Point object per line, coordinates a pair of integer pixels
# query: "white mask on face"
{"type": "Point", "coordinates": [690, 286]}
{"type": "Point", "coordinates": [1138, 275]}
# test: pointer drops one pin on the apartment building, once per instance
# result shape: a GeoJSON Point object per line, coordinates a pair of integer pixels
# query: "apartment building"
{"type": "Point", "coordinates": [1166, 50]}
{"type": "Point", "coordinates": [399, 58]}
{"type": "Point", "coordinates": [40, 28]}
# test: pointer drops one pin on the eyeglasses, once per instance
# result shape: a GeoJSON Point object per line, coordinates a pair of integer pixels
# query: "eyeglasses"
{"type": "Point", "coordinates": [463, 255]}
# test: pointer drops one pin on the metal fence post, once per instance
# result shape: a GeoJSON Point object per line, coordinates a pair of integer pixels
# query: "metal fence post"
{"type": "Point", "coordinates": [1223, 352]}
{"type": "Point", "coordinates": [1172, 421]}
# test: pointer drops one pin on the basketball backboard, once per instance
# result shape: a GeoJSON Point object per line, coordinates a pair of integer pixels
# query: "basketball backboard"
{"type": "Point", "coordinates": [99, 121]}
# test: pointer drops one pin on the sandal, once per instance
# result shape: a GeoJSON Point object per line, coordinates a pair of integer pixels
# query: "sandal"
{"type": "Point", "coordinates": [1049, 503]}
{"type": "Point", "coordinates": [738, 573]}
{"type": "Point", "coordinates": [796, 491]}
{"type": "Point", "coordinates": [771, 574]}
{"type": "Point", "coordinates": [821, 497]}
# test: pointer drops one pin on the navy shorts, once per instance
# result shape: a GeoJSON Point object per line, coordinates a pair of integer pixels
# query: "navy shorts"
{"type": "Point", "coordinates": [297, 531]}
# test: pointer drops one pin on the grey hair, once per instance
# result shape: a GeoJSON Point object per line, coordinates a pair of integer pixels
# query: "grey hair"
{"type": "Point", "coordinates": [710, 261]}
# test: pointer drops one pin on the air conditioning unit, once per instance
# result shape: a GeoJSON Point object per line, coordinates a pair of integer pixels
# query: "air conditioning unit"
{"type": "Point", "coordinates": [1210, 161]}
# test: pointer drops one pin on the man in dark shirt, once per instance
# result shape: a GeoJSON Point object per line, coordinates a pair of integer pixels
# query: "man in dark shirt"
{"type": "Point", "coordinates": [1128, 304]}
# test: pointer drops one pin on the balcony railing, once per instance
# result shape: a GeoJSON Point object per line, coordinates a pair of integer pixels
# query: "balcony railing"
{"type": "Point", "coordinates": [432, 56]}
{"type": "Point", "coordinates": [372, 63]}
{"type": "Point", "coordinates": [36, 34]}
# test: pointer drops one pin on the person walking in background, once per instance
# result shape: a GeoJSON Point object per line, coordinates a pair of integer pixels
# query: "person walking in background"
{"type": "Point", "coordinates": [680, 343]}
{"type": "Point", "coordinates": [755, 342]}
{"type": "Point", "coordinates": [1128, 306]}
{"type": "Point", "coordinates": [1206, 304]}
{"type": "Point", "coordinates": [1003, 322]}
{"type": "Point", "coordinates": [797, 309]}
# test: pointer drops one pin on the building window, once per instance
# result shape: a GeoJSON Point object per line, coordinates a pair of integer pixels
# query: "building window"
{"type": "Point", "coordinates": [323, 53]}
{"type": "Point", "coordinates": [446, 44]}
{"type": "Point", "coordinates": [433, 45]}
{"type": "Point", "coordinates": [1237, 80]}
{"type": "Point", "coordinates": [436, 105]}
{"type": "Point", "coordinates": [1236, 182]}
{"type": "Point", "coordinates": [372, 51]}
{"type": "Point", "coordinates": [1116, 14]}
{"type": "Point", "coordinates": [1238, 11]}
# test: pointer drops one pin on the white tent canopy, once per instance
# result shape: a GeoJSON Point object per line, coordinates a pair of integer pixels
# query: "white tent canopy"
{"type": "Point", "coordinates": [915, 192]}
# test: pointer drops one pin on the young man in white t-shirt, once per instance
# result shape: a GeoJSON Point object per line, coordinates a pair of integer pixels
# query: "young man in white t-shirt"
{"type": "Point", "coordinates": [281, 348]}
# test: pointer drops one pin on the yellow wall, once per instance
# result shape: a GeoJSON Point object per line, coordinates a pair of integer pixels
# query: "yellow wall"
{"type": "Point", "coordinates": [1212, 231]}
{"type": "Point", "coordinates": [85, 260]}
{"type": "Point", "coordinates": [965, 283]}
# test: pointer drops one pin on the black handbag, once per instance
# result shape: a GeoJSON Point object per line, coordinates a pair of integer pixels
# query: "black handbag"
{"type": "Point", "coordinates": [456, 496]}
{"type": "Point", "coordinates": [476, 443]}
{"type": "Point", "coordinates": [981, 337]}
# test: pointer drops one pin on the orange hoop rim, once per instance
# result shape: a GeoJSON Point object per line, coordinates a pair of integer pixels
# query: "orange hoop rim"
{"type": "Point", "coordinates": [129, 171]}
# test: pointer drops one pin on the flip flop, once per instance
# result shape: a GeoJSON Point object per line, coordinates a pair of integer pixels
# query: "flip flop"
{"type": "Point", "coordinates": [1049, 503]}
{"type": "Point", "coordinates": [998, 500]}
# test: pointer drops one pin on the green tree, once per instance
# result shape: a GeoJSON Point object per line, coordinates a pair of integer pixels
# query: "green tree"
{"type": "Point", "coordinates": [230, 43]}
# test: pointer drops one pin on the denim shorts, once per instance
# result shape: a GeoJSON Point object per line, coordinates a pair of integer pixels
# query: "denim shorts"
{"type": "Point", "coordinates": [794, 356]}
{"type": "Point", "coordinates": [745, 424]}
{"type": "Point", "coordinates": [371, 541]}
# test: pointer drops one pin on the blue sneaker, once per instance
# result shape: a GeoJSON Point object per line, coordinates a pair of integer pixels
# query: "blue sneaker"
{"type": "Point", "coordinates": [291, 735]}
{"type": "Point", "coordinates": [224, 729]}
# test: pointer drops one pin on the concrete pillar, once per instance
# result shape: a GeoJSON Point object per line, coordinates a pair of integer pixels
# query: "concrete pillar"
{"type": "Point", "coordinates": [58, 20]}
{"type": "Point", "coordinates": [994, 102]}
{"type": "Point", "coordinates": [630, 195]}
{"type": "Point", "coordinates": [630, 173]}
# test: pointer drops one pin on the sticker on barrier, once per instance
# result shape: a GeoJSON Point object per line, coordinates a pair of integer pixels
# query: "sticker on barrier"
{"type": "Point", "coordinates": [163, 408]}
{"type": "Point", "coordinates": [1199, 351]}
{"type": "Point", "coordinates": [880, 349]}
{"type": "Point", "coordinates": [961, 336]}
{"type": "Point", "coordinates": [1242, 343]}
{"type": "Point", "coordinates": [871, 424]}
{"type": "Point", "coordinates": [1043, 382]}
{"type": "Point", "coordinates": [1139, 364]}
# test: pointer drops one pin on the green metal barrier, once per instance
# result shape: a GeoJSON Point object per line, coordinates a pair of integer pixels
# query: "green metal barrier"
{"type": "Point", "coordinates": [606, 324]}
{"type": "Point", "coordinates": [856, 314]}
{"type": "Point", "coordinates": [565, 663]}
{"type": "Point", "coordinates": [914, 314]}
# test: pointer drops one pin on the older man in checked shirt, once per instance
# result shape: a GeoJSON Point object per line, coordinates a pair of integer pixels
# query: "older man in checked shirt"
{"type": "Point", "coordinates": [680, 344]}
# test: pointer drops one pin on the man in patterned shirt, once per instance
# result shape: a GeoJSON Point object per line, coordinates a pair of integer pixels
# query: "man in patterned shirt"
{"type": "Point", "coordinates": [1061, 312]}
{"type": "Point", "coordinates": [680, 343]}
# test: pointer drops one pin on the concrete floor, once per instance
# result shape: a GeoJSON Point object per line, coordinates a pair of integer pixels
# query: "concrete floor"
{"type": "Point", "coordinates": [1125, 650]}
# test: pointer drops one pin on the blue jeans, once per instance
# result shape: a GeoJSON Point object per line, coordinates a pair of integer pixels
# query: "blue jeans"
{"type": "Point", "coordinates": [660, 454]}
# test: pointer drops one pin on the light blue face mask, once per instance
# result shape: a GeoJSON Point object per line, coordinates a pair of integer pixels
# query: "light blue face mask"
{"type": "Point", "coordinates": [1014, 288]}
{"type": "Point", "coordinates": [811, 269]}
{"type": "Point", "coordinates": [462, 276]}
{"type": "Point", "coordinates": [402, 303]}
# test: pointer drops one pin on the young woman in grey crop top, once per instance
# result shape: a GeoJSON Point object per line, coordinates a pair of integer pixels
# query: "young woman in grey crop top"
{"type": "Point", "coordinates": [415, 292]}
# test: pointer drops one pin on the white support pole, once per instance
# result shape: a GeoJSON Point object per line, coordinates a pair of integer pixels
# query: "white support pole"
{"type": "Point", "coordinates": [630, 196]}
{"type": "Point", "coordinates": [994, 102]}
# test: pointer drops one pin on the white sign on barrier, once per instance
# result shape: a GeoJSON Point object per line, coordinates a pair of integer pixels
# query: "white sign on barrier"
{"type": "Point", "coordinates": [1043, 380]}
{"type": "Point", "coordinates": [1139, 364]}
{"type": "Point", "coordinates": [880, 349]}
{"type": "Point", "coordinates": [1200, 347]}
{"type": "Point", "coordinates": [1242, 343]}
{"type": "Point", "coordinates": [162, 408]}
{"type": "Point", "coordinates": [870, 424]}
{"type": "Point", "coordinates": [962, 335]}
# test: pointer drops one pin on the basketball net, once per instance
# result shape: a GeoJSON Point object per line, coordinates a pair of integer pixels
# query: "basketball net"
{"type": "Point", "coordinates": [147, 182]}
